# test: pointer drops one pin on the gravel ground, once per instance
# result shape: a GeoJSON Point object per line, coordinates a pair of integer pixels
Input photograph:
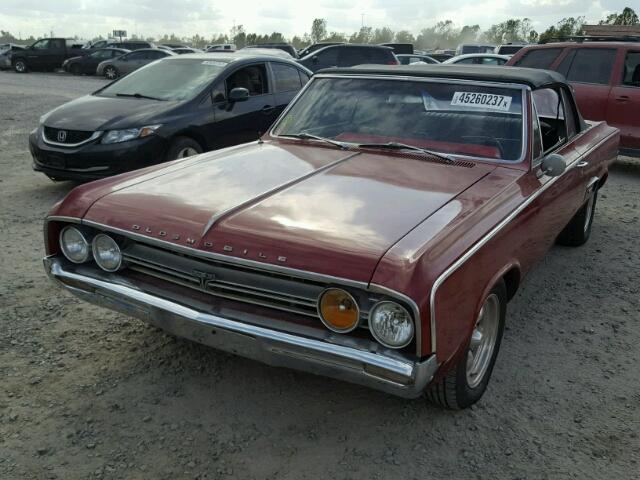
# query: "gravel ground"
{"type": "Point", "coordinates": [87, 393]}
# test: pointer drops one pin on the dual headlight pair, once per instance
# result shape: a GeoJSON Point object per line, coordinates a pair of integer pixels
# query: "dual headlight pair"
{"type": "Point", "coordinates": [77, 247]}
{"type": "Point", "coordinates": [389, 322]}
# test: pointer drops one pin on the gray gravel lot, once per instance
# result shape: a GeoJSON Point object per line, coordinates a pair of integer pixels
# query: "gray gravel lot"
{"type": "Point", "coordinates": [87, 393]}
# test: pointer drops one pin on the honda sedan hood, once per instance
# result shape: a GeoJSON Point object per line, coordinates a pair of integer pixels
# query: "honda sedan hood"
{"type": "Point", "coordinates": [318, 209]}
{"type": "Point", "coordinates": [91, 113]}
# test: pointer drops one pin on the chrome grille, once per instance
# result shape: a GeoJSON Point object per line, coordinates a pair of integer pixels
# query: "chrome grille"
{"type": "Point", "coordinates": [67, 136]}
{"type": "Point", "coordinates": [225, 280]}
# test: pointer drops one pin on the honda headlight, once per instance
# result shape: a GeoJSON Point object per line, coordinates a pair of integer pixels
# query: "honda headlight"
{"type": "Point", "coordinates": [391, 324]}
{"type": "Point", "coordinates": [117, 136]}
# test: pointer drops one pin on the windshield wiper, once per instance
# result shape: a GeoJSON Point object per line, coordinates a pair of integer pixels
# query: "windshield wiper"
{"type": "Point", "coordinates": [305, 135]}
{"type": "Point", "coordinates": [138, 95]}
{"type": "Point", "coordinates": [404, 146]}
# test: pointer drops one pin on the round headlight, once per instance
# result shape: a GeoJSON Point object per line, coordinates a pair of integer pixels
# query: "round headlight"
{"type": "Point", "coordinates": [338, 310]}
{"type": "Point", "coordinates": [106, 253]}
{"type": "Point", "coordinates": [391, 324]}
{"type": "Point", "coordinates": [74, 245]}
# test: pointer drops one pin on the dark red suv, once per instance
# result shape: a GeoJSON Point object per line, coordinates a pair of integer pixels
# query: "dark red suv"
{"type": "Point", "coordinates": [605, 76]}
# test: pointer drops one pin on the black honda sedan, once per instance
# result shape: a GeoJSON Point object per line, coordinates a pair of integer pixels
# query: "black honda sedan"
{"type": "Point", "coordinates": [173, 108]}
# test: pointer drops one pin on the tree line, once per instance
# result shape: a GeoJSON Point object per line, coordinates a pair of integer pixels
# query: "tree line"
{"type": "Point", "coordinates": [444, 34]}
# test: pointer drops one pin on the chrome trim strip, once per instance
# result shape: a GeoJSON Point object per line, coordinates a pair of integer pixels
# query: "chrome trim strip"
{"type": "Point", "coordinates": [93, 136]}
{"type": "Point", "coordinates": [261, 196]}
{"type": "Point", "coordinates": [228, 259]}
{"type": "Point", "coordinates": [62, 218]}
{"type": "Point", "coordinates": [492, 233]}
{"type": "Point", "coordinates": [353, 362]}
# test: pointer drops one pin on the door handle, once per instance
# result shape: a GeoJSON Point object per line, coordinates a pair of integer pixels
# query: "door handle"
{"type": "Point", "coordinates": [582, 164]}
{"type": "Point", "coordinates": [267, 109]}
{"type": "Point", "coordinates": [622, 98]}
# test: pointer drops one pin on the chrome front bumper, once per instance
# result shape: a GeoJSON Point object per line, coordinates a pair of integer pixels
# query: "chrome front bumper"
{"type": "Point", "coordinates": [353, 363]}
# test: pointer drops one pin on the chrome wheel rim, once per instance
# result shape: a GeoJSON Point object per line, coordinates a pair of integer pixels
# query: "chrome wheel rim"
{"type": "Point", "coordinates": [483, 341]}
{"type": "Point", "coordinates": [588, 213]}
{"type": "Point", "coordinates": [187, 152]}
{"type": "Point", "coordinates": [20, 67]}
{"type": "Point", "coordinates": [110, 73]}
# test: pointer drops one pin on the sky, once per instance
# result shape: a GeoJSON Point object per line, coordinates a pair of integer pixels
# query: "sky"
{"type": "Point", "coordinates": [89, 18]}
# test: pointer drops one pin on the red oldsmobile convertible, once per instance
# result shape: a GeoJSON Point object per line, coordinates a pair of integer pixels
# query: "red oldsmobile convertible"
{"type": "Point", "coordinates": [374, 235]}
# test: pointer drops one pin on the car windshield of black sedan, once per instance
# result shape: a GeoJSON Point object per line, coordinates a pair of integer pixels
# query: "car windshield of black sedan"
{"type": "Point", "coordinates": [454, 118]}
{"type": "Point", "coordinates": [174, 79]}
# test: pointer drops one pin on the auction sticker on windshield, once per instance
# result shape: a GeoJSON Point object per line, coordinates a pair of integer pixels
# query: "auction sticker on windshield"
{"type": "Point", "coordinates": [482, 100]}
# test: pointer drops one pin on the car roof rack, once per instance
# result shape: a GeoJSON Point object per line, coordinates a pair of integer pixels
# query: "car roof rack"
{"type": "Point", "coordinates": [591, 38]}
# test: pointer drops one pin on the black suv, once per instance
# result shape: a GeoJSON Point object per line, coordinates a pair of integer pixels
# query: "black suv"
{"type": "Point", "coordinates": [348, 55]}
{"type": "Point", "coordinates": [176, 107]}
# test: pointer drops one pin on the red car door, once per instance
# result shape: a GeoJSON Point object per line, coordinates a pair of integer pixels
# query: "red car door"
{"type": "Point", "coordinates": [589, 71]}
{"type": "Point", "coordinates": [557, 205]}
{"type": "Point", "coordinates": [624, 99]}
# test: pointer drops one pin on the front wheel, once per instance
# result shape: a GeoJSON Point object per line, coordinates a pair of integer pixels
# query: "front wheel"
{"type": "Point", "coordinates": [110, 72]}
{"type": "Point", "coordinates": [466, 382]}
{"type": "Point", "coordinates": [20, 66]}
{"type": "Point", "coordinates": [75, 69]}
{"type": "Point", "coordinates": [183, 147]}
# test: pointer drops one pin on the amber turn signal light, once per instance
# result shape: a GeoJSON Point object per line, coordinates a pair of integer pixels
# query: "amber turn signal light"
{"type": "Point", "coordinates": [338, 310]}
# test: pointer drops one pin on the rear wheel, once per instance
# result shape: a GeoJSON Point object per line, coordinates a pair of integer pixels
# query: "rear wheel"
{"type": "Point", "coordinates": [578, 231]}
{"type": "Point", "coordinates": [20, 66]}
{"type": "Point", "coordinates": [183, 147]}
{"type": "Point", "coordinates": [110, 72]}
{"type": "Point", "coordinates": [465, 383]}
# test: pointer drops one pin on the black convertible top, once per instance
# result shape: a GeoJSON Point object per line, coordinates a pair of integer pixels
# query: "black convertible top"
{"type": "Point", "coordinates": [533, 77]}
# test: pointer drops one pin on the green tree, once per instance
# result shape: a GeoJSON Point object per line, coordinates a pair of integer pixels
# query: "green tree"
{"type": "Point", "coordinates": [364, 35]}
{"type": "Point", "coordinates": [382, 35]}
{"type": "Point", "coordinates": [238, 36]}
{"type": "Point", "coordinates": [627, 17]}
{"type": "Point", "coordinates": [404, 36]}
{"type": "Point", "coordinates": [567, 27]}
{"type": "Point", "coordinates": [318, 30]}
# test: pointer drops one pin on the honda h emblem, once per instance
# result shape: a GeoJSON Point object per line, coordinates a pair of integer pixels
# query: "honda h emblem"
{"type": "Point", "coordinates": [62, 135]}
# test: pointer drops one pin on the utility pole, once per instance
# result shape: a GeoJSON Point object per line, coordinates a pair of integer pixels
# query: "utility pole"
{"type": "Point", "coordinates": [362, 15]}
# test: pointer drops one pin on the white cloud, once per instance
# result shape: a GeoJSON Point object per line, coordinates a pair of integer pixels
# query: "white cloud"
{"type": "Point", "coordinates": [87, 18]}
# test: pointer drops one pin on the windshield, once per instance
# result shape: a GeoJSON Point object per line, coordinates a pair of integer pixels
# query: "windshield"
{"type": "Point", "coordinates": [167, 80]}
{"type": "Point", "coordinates": [463, 119]}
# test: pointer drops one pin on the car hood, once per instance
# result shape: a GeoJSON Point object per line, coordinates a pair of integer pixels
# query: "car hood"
{"type": "Point", "coordinates": [317, 209]}
{"type": "Point", "coordinates": [92, 113]}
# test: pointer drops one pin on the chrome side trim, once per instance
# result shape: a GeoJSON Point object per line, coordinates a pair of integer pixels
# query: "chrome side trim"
{"type": "Point", "coordinates": [261, 196]}
{"type": "Point", "coordinates": [228, 259]}
{"type": "Point", "coordinates": [352, 361]}
{"type": "Point", "coordinates": [93, 137]}
{"type": "Point", "coordinates": [492, 233]}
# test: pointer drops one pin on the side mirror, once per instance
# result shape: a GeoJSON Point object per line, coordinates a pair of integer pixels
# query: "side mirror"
{"type": "Point", "coordinates": [238, 94]}
{"type": "Point", "coordinates": [553, 165]}
{"type": "Point", "coordinates": [315, 59]}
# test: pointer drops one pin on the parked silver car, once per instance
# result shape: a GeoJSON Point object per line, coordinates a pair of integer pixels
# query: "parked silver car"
{"type": "Point", "coordinates": [117, 67]}
{"type": "Point", "coordinates": [5, 54]}
{"type": "Point", "coordinates": [478, 59]}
